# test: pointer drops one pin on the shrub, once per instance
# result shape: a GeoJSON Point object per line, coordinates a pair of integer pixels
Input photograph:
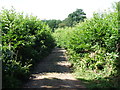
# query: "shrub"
{"type": "Point", "coordinates": [25, 41]}
{"type": "Point", "coordinates": [91, 45]}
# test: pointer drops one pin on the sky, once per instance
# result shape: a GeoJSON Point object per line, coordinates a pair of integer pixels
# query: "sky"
{"type": "Point", "coordinates": [56, 9]}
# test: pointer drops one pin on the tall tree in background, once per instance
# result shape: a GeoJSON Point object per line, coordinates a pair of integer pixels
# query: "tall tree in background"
{"type": "Point", "coordinates": [73, 18]}
{"type": "Point", "coordinates": [70, 21]}
{"type": "Point", "coordinates": [77, 16]}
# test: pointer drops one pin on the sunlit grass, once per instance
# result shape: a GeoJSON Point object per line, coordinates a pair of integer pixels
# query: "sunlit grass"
{"type": "Point", "coordinates": [91, 79]}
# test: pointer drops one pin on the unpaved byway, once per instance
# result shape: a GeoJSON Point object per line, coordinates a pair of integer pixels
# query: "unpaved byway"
{"type": "Point", "coordinates": [53, 72]}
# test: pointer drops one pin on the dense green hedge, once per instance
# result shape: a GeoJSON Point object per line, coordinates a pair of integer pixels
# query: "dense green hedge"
{"type": "Point", "coordinates": [92, 44]}
{"type": "Point", "coordinates": [25, 40]}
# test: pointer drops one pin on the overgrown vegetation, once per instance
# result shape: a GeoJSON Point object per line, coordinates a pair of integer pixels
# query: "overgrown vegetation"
{"type": "Point", "coordinates": [92, 49]}
{"type": "Point", "coordinates": [25, 41]}
{"type": "Point", "coordinates": [93, 46]}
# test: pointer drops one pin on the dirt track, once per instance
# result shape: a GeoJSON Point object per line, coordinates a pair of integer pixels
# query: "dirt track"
{"type": "Point", "coordinates": [53, 72]}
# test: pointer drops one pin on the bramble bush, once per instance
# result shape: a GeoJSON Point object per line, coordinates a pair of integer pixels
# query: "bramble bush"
{"type": "Point", "coordinates": [91, 45]}
{"type": "Point", "coordinates": [25, 41]}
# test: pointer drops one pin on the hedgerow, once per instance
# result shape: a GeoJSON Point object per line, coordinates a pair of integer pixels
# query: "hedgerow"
{"type": "Point", "coordinates": [91, 46]}
{"type": "Point", "coordinates": [25, 41]}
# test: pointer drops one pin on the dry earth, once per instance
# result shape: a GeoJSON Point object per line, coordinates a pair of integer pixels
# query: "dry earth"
{"type": "Point", "coordinates": [53, 72]}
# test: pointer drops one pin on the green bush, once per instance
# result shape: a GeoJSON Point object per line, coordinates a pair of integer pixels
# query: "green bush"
{"type": "Point", "coordinates": [91, 45]}
{"type": "Point", "coordinates": [25, 41]}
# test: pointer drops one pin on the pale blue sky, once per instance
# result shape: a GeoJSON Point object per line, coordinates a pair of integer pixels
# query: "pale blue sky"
{"type": "Point", "coordinates": [56, 9]}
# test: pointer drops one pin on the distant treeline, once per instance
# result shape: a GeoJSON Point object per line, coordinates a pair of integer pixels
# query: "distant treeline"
{"type": "Point", "coordinates": [70, 21]}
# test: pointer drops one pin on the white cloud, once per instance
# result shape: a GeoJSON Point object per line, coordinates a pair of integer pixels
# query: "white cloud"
{"type": "Point", "coordinates": [56, 9]}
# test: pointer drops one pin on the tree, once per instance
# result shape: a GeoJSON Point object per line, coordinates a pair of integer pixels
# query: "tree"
{"type": "Point", "coordinates": [70, 21]}
{"type": "Point", "coordinates": [77, 16]}
{"type": "Point", "coordinates": [66, 22]}
{"type": "Point", "coordinates": [53, 24]}
{"type": "Point", "coordinates": [73, 18]}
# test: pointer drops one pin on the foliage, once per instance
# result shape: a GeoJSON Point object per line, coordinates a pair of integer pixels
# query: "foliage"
{"type": "Point", "coordinates": [25, 40]}
{"type": "Point", "coordinates": [73, 18]}
{"type": "Point", "coordinates": [91, 44]}
{"type": "Point", "coordinates": [67, 22]}
{"type": "Point", "coordinates": [53, 24]}
{"type": "Point", "coordinates": [77, 16]}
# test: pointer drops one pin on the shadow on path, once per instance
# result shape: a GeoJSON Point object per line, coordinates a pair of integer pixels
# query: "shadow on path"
{"type": "Point", "coordinates": [53, 72]}
{"type": "Point", "coordinates": [55, 83]}
{"type": "Point", "coordinates": [52, 63]}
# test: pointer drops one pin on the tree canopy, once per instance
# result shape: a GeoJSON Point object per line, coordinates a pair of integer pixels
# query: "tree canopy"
{"type": "Point", "coordinates": [72, 19]}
